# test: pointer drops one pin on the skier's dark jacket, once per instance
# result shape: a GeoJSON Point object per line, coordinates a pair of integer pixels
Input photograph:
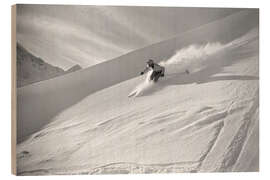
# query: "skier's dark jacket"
{"type": "Point", "coordinates": [155, 67]}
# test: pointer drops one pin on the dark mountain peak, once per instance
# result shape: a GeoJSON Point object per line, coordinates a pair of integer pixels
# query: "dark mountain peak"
{"type": "Point", "coordinates": [31, 69]}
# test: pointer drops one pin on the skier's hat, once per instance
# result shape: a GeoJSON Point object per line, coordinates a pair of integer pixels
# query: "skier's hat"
{"type": "Point", "coordinates": [150, 61]}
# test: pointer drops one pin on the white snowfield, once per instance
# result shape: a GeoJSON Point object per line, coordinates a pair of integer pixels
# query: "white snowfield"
{"type": "Point", "coordinates": [205, 121]}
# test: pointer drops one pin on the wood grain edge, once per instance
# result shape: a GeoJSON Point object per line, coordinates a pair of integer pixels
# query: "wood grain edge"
{"type": "Point", "coordinates": [13, 92]}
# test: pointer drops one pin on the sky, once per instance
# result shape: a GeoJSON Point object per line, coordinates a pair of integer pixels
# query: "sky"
{"type": "Point", "coordinates": [87, 35]}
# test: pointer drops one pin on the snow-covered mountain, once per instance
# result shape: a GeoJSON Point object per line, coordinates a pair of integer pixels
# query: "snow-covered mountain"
{"type": "Point", "coordinates": [205, 121]}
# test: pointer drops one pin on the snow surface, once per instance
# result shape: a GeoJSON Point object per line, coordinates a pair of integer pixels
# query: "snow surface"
{"type": "Point", "coordinates": [205, 121]}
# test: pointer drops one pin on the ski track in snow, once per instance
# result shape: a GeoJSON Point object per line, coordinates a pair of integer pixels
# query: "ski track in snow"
{"type": "Point", "coordinates": [233, 151]}
{"type": "Point", "coordinates": [215, 121]}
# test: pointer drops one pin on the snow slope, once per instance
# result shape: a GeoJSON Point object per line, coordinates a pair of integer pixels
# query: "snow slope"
{"type": "Point", "coordinates": [206, 121]}
{"type": "Point", "coordinates": [60, 93]}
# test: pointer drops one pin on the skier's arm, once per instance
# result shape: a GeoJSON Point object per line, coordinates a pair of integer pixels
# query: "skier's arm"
{"type": "Point", "coordinates": [145, 70]}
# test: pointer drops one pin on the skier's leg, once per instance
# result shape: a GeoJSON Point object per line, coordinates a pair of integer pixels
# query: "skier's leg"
{"type": "Point", "coordinates": [152, 75]}
{"type": "Point", "coordinates": [163, 72]}
{"type": "Point", "coordinates": [158, 74]}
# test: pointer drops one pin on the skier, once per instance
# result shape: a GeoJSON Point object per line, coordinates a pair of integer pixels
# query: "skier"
{"type": "Point", "coordinates": [158, 71]}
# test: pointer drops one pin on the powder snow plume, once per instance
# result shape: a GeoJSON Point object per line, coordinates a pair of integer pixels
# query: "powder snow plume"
{"type": "Point", "coordinates": [192, 58]}
{"type": "Point", "coordinates": [144, 86]}
{"type": "Point", "coordinates": [195, 57]}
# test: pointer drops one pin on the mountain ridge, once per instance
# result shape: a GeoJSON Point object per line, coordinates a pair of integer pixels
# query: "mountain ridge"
{"type": "Point", "coordinates": [32, 69]}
